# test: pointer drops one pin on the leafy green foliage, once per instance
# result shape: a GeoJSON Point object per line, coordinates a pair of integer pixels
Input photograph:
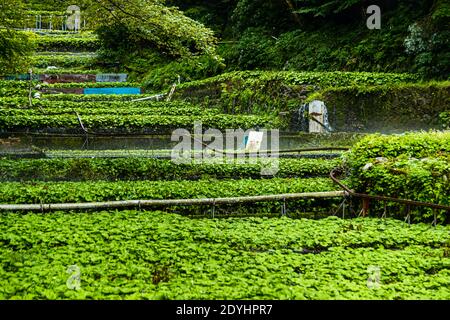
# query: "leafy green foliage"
{"type": "Point", "coordinates": [428, 42]}
{"type": "Point", "coordinates": [21, 84]}
{"type": "Point", "coordinates": [89, 85]}
{"type": "Point", "coordinates": [331, 35]}
{"type": "Point", "coordinates": [411, 166]}
{"type": "Point", "coordinates": [161, 76]}
{"type": "Point", "coordinates": [14, 52]}
{"type": "Point", "coordinates": [263, 92]}
{"type": "Point", "coordinates": [128, 123]}
{"type": "Point", "coordinates": [445, 119]}
{"type": "Point", "coordinates": [150, 116]}
{"type": "Point", "coordinates": [127, 29]}
{"type": "Point", "coordinates": [18, 106]}
{"type": "Point", "coordinates": [93, 97]}
{"type": "Point", "coordinates": [152, 169]}
{"type": "Point", "coordinates": [148, 255]}
{"type": "Point", "coordinates": [121, 254]}
{"type": "Point", "coordinates": [322, 79]}
{"type": "Point", "coordinates": [193, 111]}
{"type": "Point", "coordinates": [8, 90]}
{"type": "Point", "coordinates": [213, 14]}
{"type": "Point", "coordinates": [7, 84]}
{"type": "Point", "coordinates": [165, 153]}
{"type": "Point", "coordinates": [85, 42]}
{"type": "Point", "coordinates": [19, 88]}
{"type": "Point", "coordinates": [66, 71]}
{"type": "Point", "coordinates": [55, 192]}
{"type": "Point", "coordinates": [251, 52]}
{"type": "Point", "coordinates": [386, 108]}
{"type": "Point", "coordinates": [48, 5]}
{"type": "Point", "coordinates": [268, 15]}
{"type": "Point", "coordinates": [426, 180]}
{"type": "Point", "coordinates": [326, 7]}
{"type": "Point", "coordinates": [14, 46]}
{"type": "Point", "coordinates": [413, 144]}
{"type": "Point", "coordinates": [66, 61]}
{"type": "Point", "coordinates": [78, 102]}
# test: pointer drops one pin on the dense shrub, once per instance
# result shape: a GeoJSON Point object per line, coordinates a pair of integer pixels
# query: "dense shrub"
{"type": "Point", "coordinates": [445, 119]}
{"type": "Point", "coordinates": [161, 76]}
{"type": "Point", "coordinates": [394, 107]}
{"type": "Point", "coordinates": [413, 166]}
{"type": "Point", "coordinates": [272, 92]}
{"type": "Point", "coordinates": [66, 43]}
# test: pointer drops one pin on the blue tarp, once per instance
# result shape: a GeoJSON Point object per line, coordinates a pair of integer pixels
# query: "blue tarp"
{"type": "Point", "coordinates": [125, 90]}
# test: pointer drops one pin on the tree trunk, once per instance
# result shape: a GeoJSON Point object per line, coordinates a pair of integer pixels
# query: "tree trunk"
{"type": "Point", "coordinates": [293, 13]}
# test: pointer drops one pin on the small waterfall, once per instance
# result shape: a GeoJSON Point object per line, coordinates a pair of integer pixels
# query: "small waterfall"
{"type": "Point", "coordinates": [303, 122]}
{"type": "Point", "coordinates": [313, 117]}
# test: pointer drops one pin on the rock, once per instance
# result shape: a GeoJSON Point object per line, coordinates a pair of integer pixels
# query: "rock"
{"type": "Point", "coordinates": [367, 166]}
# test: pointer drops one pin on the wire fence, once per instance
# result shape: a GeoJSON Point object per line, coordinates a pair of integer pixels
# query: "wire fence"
{"type": "Point", "coordinates": [53, 23]}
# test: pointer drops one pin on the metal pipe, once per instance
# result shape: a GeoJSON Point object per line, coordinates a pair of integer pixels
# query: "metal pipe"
{"type": "Point", "coordinates": [384, 198]}
{"type": "Point", "coordinates": [167, 202]}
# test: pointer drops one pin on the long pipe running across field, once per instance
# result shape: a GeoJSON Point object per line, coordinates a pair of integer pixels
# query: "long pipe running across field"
{"type": "Point", "coordinates": [168, 202]}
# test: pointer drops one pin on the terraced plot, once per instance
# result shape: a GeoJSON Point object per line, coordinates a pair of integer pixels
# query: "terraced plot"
{"type": "Point", "coordinates": [156, 255]}
{"type": "Point", "coordinates": [218, 251]}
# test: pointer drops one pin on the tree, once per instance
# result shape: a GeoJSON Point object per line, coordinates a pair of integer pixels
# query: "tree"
{"type": "Point", "coordinates": [273, 16]}
{"type": "Point", "coordinates": [325, 8]}
{"type": "Point", "coordinates": [214, 14]}
{"type": "Point", "coordinates": [150, 24]}
{"type": "Point", "coordinates": [14, 46]}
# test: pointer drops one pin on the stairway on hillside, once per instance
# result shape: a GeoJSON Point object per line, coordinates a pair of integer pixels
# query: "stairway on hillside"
{"type": "Point", "coordinates": [73, 96]}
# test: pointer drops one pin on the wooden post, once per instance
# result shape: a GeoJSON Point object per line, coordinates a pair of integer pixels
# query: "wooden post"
{"type": "Point", "coordinates": [30, 89]}
{"type": "Point", "coordinates": [365, 206]}
{"type": "Point", "coordinates": [172, 90]}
